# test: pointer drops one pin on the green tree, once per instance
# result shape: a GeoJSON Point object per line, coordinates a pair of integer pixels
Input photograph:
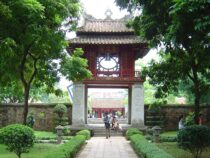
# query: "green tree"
{"type": "Point", "coordinates": [194, 138]}
{"type": "Point", "coordinates": [75, 67]}
{"type": "Point", "coordinates": [12, 93]}
{"type": "Point", "coordinates": [18, 138]}
{"type": "Point", "coordinates": [31, 39]}
{"type": "Point", "coordinates": [182, 27]}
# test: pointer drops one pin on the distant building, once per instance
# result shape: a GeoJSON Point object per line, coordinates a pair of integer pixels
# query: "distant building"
{"type": "Point", "coordinates": [100, 107]}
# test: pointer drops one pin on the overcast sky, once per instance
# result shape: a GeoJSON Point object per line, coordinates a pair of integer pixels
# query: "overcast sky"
{"type": "Point", "coordinates": [97, 8]}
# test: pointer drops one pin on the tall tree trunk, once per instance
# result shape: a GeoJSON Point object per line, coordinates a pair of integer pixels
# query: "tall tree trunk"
{"type": "Point", "coordinates": [197, 93]}
{"type": "Point", "coordinates": [197, 105]}
{"type": "Point", "coordinates": [27, 83]}
{"type": "Point", "coordinates": [26, 97]}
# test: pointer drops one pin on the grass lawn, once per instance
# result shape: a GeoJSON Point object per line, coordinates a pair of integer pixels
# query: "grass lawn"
{"type": "Point", "coordinates": [169, 134]}
{"type": "Point", "coordinates": [172, 148]}
{"type": "Point", "coordinates": [43, 134]}
{"type": "Point", "coordinates": [38, 151]}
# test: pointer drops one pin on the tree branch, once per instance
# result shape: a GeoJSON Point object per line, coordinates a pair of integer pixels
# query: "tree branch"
{"type": "Point", "coordinates": [35, 71]}
{"type": "Point", "coordinates": [23, 61]}
{"type": "Point", "coordinates": [188, 74]}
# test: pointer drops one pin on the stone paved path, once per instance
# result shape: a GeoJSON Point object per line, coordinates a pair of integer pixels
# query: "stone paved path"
{"type": "Point", "coordinates": [99, 147]}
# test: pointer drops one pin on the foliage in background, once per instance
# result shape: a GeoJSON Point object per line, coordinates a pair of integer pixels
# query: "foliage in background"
{"type": "Point", "coordinates": [75, 68]}
{"type": "Point", "coordinates": [31, 41]}
{"type": "Point", "coordinates": [195, 138]}
{"type": "Point", "coordinates": [18, 138]}
{"type": "Point", "coordinates": [13, 93]}
{"type": "Point", "coordinates": [182, 28]}
{"type": "Point", "coordinates": [156, 106]}
{"type": "Point", "coordinates": [189, 119]}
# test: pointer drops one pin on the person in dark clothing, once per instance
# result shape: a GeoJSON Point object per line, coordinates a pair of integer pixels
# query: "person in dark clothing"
{"type": "Point", "coordinates": [107, 125]}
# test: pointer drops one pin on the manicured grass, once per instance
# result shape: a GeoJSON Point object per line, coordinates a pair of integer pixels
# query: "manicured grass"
{"type": "Point", "coordinates": [169, 134]}
{"type": "Point", "coordinates": [43, 134]}
{"type": "Point", "coordinates": [38, 151]}
{"type": "Point", "coordinates": [174, 150]}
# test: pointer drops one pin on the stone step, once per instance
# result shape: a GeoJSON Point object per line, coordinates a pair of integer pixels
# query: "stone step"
{"type": "Point", "coordinates": [104, 134]}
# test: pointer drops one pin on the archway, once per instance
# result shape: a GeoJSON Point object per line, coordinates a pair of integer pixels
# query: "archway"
{"type": "Point", "coordinates": [114, 101]}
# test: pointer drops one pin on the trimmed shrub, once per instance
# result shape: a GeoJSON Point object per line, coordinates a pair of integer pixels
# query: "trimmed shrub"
{"type": "Point", "coordinates": [66, 131]}
{"type": "Point", "coordinates": [60, 110]}
{"type": "Point", "coordinates": [132, 131]}
{"type": "Point", "coordinates": [69, 149]}
{"type": "Point", "coordinates": [85, 133]}
{"type": "Point", "coordinates": [194, 138]}
{"type": "Point", "coordinates": [18, 138]}
{"type": "Point", "coordinates": [145, 149]}
{"type": "Point", "coordinates": [168, 139]}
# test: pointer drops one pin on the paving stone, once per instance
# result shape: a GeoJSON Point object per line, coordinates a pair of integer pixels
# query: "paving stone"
{"type": "Point", "coordinates": [99, 147]}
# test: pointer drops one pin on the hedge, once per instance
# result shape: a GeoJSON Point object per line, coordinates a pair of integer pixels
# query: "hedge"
{"type": "Point", "coordinates": [145, 149]}
{"type": "Point", "coordinates": [168, 139]}
{"type": "Point", "coordinates": [69, 149]}
{"type": "Point", "coordinates": [85, 133]}
{"type": "Point", "coordinates": [132, 131]}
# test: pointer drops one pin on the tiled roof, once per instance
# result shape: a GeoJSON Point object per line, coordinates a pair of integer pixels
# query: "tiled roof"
{"type": "Point", "coordinates": [105, 31]}
{"type": "Point", "coordinates": [106, 39]}
{"type": "Point", "coordinates": [106, 25]}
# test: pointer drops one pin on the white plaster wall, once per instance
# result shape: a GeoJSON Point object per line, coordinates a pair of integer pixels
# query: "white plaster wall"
{"type": "Point", "coordinates": [78, 109]}
{"type": "Point", "coordinates": [137, 105]}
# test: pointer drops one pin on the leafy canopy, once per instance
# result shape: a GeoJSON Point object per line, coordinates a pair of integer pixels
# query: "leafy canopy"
{"type": "Point", "coordinates": [32, 39]}
{"type": "Point", "coordinates": [182, 28]}
{"type": "Point", "coordinates": [75, 67]}
{"type": "Point", "coordinates": [18, 138]}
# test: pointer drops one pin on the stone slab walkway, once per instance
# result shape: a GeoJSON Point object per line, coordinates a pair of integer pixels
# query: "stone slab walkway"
{"type": "Point", "coordinates": [100, 147]}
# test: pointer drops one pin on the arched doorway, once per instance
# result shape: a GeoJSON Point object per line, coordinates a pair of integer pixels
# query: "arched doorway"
{"type": "Point", "coordinates": [114, 101]}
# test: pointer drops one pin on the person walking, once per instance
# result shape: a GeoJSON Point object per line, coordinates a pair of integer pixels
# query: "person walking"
{"type": "Point", "coordinates": [181, 122]}
{"type": "Point", "coordinates": [107, 125]}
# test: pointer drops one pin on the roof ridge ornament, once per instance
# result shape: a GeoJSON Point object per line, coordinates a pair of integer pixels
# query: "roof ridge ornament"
{"type": "Point", "coordinates": [108, 13]}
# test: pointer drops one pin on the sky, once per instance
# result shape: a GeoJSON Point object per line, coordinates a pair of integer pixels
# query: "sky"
{"type": "Point", "coordinates": [97, 9]}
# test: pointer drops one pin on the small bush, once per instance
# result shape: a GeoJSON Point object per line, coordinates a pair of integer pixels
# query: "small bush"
{"type": "Point", "coordinates": [60, 110]}
{"type": "Point", "coordinates": [18, 138]}
{"type": "Point", "coordinates": [66, 131]}
{"type": "Point", "coordinates": [149, 137]}
{"type": "Point", "coordinates": [194, 138]}
{"type": "Point", "coordinates": [85, 133]}
{"type": "Point", "coordinates": [145, 149]}
{"type": "Point", "coordinates": [132, 131]}
{"type": "Point", "coordinates": [168, 139]}
{"type": "Point", "coordinates": [69, 149]}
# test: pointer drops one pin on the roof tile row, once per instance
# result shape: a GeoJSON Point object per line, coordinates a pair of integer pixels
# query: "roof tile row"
{"type": "Point", "coordinates": [107, 39]}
